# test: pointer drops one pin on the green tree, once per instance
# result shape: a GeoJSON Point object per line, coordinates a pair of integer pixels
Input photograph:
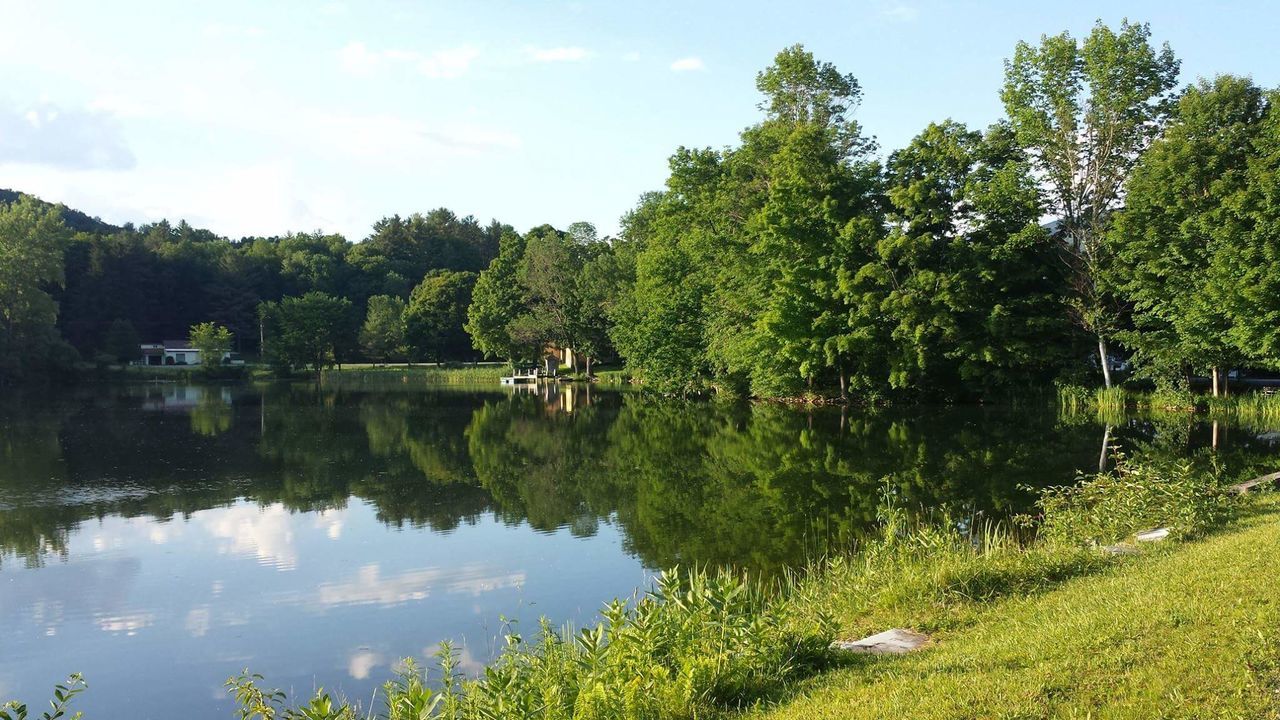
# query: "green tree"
{"type": "Point", "coordinates": [496, 300]}
{"type": "Point", "coordinates": [737, 284]}
{"type": "Point", "coordinates": [966, 281]}
{"type": "Point", "coordinates": [1249, 274]}
{"type": "Point", "coordinates": [122, 342]}
{"type": "Point", "coordinates": [383, 335]}
{"type": "Point", "coordinates": [1180, 215]}
{"type": "Point", "coordinates": [305, 332]}
{"type": "Point", "coordinates": [212, 340]}
{"type": "Point", "coordinates": [436, 314]}
{"type": "Point", "coordinates": [32, 239]}
{"type": "Point", "coordinates": [1085, 112]}
{"type": "Point", "coordinates": [597, 287]}
{"type": "Point", "coordinates": [547, 274]}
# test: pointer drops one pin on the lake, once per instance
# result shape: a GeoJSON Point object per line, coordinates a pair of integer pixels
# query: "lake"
{"type": "Point", "coordinates": [161, 538]}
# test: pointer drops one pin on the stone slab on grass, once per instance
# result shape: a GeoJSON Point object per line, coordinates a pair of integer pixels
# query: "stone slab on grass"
{"type": "Point", "coordinates": [890, 642]}
{"type": "Point", "coordinates": [1152, 535]}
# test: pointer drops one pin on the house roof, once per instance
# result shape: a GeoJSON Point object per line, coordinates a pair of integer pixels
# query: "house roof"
{"type": "Point", "coordinates": [177, 345]}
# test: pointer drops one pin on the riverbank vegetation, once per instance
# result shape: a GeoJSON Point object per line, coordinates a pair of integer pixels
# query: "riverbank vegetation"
{"type": "Point", "coordinates": [1250, 409]}
{"type": "Point", "coordinates": [380, 376]}
{"type": "Point", "coordinates": [804, 260]}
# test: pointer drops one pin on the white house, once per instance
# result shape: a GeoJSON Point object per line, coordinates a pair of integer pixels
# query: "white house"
{"type": "Point", "coordinates": [173, 352]}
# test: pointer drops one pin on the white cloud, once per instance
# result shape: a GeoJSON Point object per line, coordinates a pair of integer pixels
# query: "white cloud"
{"type": "Point", "coordinates": [120, 106]}
{"type": "Point", "coordinates": [128, 624]}
{"type": "Point", "coordinates": [331, 521]}
{"type": "Point", "coordinates": [558, 54]}
{"type": "Point", "coordinates": [449, 63]}
{"type": "Point", "coordinates": [362, 662]}
{"type": "Point", "coordinates": [356, 58]}
{"type": "Point", "coordinates": [393, 138]}
{"type": "Point", "coordinates": [76, 139]}
{"type": "Point", "coordinates": [198, 621]}
{"type": "Point", "coordinates": [264, 533]}
{"type": "Point", "coordinates": [223, 30]}
{"type": "Point", "coordinates": [688, 64]}
{"type": "Point", "coordinates": [370, 586]}
{"type": "Point", "coordinates": [900, 13]}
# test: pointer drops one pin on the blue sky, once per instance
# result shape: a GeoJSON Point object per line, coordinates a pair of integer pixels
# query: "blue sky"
{"type": "Point", "coordinates": [266, 117]}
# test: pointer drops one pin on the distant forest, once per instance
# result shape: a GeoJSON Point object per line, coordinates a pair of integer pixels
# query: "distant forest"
{"type": "Point", "coordinates": [164, 278]}
{"type": "Point", "coordinates": [1112, 220]}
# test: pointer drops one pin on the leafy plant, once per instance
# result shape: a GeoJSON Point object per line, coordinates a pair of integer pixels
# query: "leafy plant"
{"type": "Point", "coordinates": [58, 706]}
{"type": "Point", "coordinates": [1131, 498]}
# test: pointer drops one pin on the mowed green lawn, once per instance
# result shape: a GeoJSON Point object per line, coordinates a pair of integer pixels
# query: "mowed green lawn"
{"type": "Point", "coordinates": [1187, 631]}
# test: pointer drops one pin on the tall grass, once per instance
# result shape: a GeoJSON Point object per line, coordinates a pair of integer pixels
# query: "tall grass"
{"type": "Point", "coordinates": [419, 376]}
{"type": "Point", "coordinates": [1252, 408]}
{"type": "Point", "coordinates": [1077, 399]}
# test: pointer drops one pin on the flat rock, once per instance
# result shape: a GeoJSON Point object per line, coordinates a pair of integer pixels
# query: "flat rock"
{"type": "Point", "coordinates": [1121, 549]}
{"type": "Point", "coordinates": [890, 642]}
{"type": "Point", "coordinates": [1152, 535]}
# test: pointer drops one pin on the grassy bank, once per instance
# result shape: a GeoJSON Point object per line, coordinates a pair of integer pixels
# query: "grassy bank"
{"type": "Point", "coordinates": [1035, 620]}
{"type": "Point", "coordinates": [169, 373]}
{"type": "Point", "coordinates": [383, 376]}
{"type": "Point", "coordinates": [1187, 631]}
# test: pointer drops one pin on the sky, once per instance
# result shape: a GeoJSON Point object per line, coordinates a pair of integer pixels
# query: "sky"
{"type": "Point", "coordinates": [261, 118]}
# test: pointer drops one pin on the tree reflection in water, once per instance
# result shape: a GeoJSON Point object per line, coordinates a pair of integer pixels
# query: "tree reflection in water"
{"type": "Point", "coordinates": [759, 486]}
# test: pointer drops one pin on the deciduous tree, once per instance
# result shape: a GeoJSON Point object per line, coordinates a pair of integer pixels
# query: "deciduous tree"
{"type": "Point", "coordinates": [1086, 111]}
{"type": "Point", "coordinates": [383, 334]}
{"type": "Point", "coordinates": [435, 316]}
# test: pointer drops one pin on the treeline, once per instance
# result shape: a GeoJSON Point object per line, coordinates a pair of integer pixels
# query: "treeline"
{"type": "Point", "coordinates": [796, 261]}
{"type": "Point", "coordinates": [1110, 216]}
{"type": "Point", "coordinates": [156, 282]}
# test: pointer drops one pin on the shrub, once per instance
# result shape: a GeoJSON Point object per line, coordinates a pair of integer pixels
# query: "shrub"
{"type": "Point", "coordinates": [1108, 507]}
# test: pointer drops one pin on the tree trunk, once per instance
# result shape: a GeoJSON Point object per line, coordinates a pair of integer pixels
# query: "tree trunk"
{"type": "Point", "coordinates": [1106, 444]}
{"type": "Point", "coordinates": [844, 387]}
{"type": "Point", "coordinates": [1216, 437]}
{"type": "Point", "coordinates": [1214, 373]}
{"type": "Point", "coordinates": [1226, 382]}
{"type": "Point", "coordinates": [588, 368]}
{"type": "Point", "coordinates": [1106, 362]}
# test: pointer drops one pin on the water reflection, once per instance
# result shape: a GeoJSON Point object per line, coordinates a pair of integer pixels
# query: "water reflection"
{"type": "Point", "coordinates": [759, 486]}
{"type": "Point", "coordinates": [171, 536]}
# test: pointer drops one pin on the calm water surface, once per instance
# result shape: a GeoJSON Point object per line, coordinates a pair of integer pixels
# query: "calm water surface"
{"type": "Point", "coordinates": [162, 538]}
